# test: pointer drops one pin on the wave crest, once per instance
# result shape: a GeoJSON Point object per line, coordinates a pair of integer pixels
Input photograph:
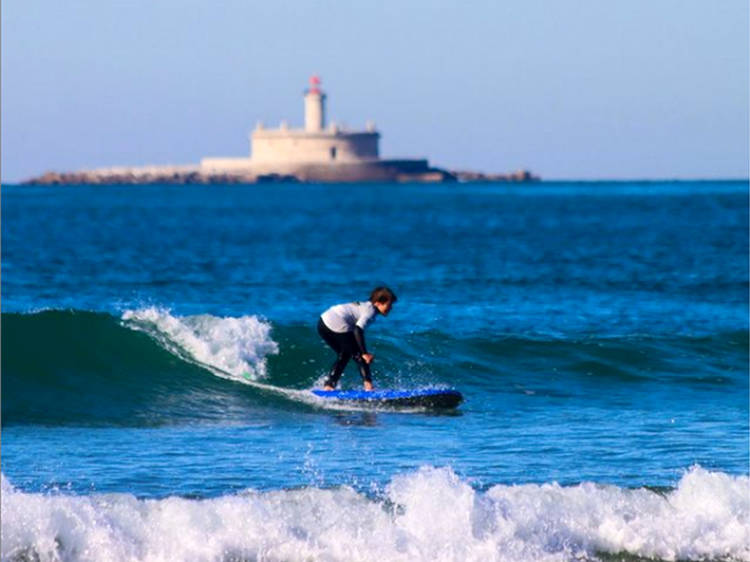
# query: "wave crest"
{"type": "Point", "coordinates": [232, 347]}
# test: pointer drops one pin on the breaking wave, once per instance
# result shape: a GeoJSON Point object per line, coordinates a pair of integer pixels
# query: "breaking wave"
{"type": "Point", "coordinates": [426, 515]}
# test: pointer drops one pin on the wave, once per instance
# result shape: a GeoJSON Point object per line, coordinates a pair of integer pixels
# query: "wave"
{"type": "Point", "coordinates": [145, 368]}
{"type": "Point", "coordinates": [428, 514]}
{"type": "Point", "coordinates": [149, 366]}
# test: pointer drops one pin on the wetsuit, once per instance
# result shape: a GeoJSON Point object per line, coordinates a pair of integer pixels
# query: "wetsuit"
{"type": "Point", "coordinates": [342, 328]}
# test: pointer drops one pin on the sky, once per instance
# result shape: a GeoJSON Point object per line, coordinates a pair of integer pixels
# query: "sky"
{"type": "Point", "coordinates": [569, 89]}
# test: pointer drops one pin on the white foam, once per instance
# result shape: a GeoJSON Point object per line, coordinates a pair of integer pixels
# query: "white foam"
{"type": "Point", "coordinates": [427, 515]}
{"type": "Point", "coordinates": [235, 348]}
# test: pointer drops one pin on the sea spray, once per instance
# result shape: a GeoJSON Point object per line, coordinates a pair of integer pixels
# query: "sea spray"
{"type": "Point", "coordinates": [425, 515]}
{"type": "Point", "coordinates": [234, 347]}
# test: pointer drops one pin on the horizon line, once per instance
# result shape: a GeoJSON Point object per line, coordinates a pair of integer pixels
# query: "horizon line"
{"type": "Point", "coordinates": [541, 180]}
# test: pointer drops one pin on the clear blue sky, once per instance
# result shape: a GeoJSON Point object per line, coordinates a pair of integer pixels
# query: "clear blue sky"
{"type": "Point", "coordinates": [569, 89]}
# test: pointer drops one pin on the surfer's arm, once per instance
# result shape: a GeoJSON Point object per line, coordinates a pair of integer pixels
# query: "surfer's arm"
{"type": "Point", "coordinates": [367, 316]}
{"type": "Point", "coordinates": [359, 337]}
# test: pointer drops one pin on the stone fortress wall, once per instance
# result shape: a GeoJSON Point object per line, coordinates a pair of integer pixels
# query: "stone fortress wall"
{"type": "Point", "coordinates": [290, 146]}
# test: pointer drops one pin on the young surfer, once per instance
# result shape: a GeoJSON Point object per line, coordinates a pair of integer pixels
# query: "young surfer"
{"type": "Point", "coordinates": [342, 327]}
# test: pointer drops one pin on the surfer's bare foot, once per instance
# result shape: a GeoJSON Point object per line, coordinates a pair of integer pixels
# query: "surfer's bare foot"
{"type": "Point", "coordinates": [328, 387]}
{"type": "Point", "coordinates": [368, 385]}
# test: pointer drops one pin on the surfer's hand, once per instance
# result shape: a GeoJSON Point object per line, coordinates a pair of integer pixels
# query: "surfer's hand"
{"type": "Point", "coordinates": [367, 357]}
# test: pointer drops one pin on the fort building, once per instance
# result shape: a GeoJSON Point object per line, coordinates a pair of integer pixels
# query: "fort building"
{"type": "Point", "coordinates": [321, 152]}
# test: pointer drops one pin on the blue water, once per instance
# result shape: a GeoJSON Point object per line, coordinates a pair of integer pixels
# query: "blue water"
{"type": "Point", "coordinates": [158, 343]}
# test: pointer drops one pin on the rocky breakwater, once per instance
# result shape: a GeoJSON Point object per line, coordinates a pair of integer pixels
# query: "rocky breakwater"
{"type": "Point", "coordinates": [187, 175]}
{"type": "Point", "coordinates": [517, 176]}
{"type": "Point", "coordinates": [138, 177]}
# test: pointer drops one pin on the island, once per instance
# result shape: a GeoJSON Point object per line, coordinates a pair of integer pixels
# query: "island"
{"type": "Point", "coordinates": [318, 152]}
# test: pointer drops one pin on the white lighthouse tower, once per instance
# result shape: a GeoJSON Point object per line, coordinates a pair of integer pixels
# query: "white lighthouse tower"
{"type": "Point", "coordinates": [315, 107]}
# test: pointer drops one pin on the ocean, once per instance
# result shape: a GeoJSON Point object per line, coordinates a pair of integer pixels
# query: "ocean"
{"type": "Point", "coordinates": [159, 342]}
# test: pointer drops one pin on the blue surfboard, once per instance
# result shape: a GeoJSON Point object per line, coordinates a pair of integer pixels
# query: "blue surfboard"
{"type": "Point", "coordinates": [418, 397]}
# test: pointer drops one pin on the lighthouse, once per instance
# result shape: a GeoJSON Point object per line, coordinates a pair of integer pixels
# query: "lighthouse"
{"type": "Point", "coordinates": [315, 107]}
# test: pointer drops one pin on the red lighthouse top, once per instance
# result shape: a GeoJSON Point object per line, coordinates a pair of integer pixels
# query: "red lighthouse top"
{"type": "Point", "coordinates": [314, 84]}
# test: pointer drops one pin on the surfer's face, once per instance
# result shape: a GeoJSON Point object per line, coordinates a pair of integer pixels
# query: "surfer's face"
{"type": "Point", "coordinates": [384, 307]}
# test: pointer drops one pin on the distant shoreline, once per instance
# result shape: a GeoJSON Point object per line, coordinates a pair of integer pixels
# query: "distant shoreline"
{"type": "Point", "coordinates": [193, 176]}
{"type": "Point", "coordinates": [235, 181]}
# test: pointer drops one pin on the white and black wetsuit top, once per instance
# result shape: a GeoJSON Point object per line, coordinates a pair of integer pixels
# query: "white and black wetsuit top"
{"type": "Point", "coordinates": [343, 318]}
{"type": "Point", "coordinates": [350, 318]}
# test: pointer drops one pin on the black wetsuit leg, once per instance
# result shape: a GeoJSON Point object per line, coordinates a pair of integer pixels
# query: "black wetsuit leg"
{"type": "Point", "coordinates": [335, 342]}
{"type": "Point", "coordinates": [345, 347]}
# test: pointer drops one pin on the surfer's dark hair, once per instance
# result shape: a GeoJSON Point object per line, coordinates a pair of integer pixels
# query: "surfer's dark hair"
{"type": "Point", "coordinates": [382, 295]}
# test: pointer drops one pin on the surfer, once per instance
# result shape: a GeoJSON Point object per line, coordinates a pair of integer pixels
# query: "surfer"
{"type": "Point", "coordinates": [342, 327]}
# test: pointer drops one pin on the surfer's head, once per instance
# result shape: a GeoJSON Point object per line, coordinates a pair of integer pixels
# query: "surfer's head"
{"type": "Point", "coordinates": [383, 298]}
